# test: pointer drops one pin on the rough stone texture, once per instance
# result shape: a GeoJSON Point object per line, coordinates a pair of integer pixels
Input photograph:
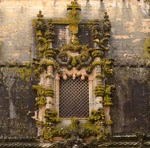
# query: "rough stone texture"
{"type": "Point", "coordinates": [130, 28]}
{"type": "Point", "coordinates": [131, 110]}
{"type": "Point", "coordinates": [16, 104]}
{"type": "Point", "coordinates": [129, 24]}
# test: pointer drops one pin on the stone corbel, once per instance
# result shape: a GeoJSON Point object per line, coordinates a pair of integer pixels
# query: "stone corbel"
{"type": "Point", "coordinates": [73, 73]}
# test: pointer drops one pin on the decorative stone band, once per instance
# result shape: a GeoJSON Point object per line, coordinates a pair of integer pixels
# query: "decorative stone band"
{"type": "Point", "coordinates": [138, 140]}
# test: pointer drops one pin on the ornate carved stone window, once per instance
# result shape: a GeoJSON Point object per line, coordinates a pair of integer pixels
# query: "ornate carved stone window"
{"type": "Point", "coordinates": [71, 69]}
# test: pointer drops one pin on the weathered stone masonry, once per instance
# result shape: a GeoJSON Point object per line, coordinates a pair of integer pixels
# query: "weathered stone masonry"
{"type": "Point", "coordinates": [130, 28]}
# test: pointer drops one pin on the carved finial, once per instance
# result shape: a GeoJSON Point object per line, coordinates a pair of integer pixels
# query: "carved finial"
{"type": "Point", "coordinates": [73, 16]}
{"type": "Point", "coordinates": [74, 5]}
{"type": "Point", "coordinates": [106, 16]}
{"type": "Point", "coordinates": [40, 15]}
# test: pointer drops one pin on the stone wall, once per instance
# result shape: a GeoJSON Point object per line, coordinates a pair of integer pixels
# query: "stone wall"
{"type": "Point", "coordinates": [130, 27]}
{"type": "Point", "coordinates": [16, 103]}
{"type": "Point", "coordinates": [131, 108]}
{"type": "Point", "coordinates": [129, 19]}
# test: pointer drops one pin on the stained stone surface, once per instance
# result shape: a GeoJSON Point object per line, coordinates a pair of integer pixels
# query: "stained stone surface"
{"type": "Point", "coordinates": [16, 104]}
{"type": "Point", "coordinates": [130, 28]}
{"type": "Point", "coordinates": [131, 110]}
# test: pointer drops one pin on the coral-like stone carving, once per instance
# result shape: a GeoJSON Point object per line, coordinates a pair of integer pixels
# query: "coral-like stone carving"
{"type": "Point", "coordinates": [72, 60]}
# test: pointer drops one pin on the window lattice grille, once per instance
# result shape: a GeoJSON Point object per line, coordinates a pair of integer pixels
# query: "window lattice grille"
{"type": "Point", "coordinates": [74, 98]}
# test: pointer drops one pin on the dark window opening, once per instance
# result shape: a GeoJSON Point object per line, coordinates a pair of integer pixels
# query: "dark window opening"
{"type": "Point", "coordinates": [74, 98]}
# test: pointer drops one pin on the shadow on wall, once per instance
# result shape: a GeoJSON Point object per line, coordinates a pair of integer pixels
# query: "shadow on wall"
{"type": "Point", "coordinates": [1, 44]}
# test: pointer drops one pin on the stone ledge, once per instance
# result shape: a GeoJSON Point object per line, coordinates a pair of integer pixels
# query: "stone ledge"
{"type": "Point", "coordinates": [136, 64]}
{"type": "Point", "coordinates": [124, 141]}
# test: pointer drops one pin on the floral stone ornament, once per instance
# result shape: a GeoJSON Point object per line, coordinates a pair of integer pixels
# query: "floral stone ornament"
{"type": "Point", "coordinates": [74, 60]}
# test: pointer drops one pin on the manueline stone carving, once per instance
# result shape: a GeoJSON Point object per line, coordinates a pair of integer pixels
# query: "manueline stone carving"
{"type": "Point", "coordinates": [72, 60]}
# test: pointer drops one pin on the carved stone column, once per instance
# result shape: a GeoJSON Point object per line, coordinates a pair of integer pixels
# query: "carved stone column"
{"type": "Point", "coordinates": [91, 94]}
{"type": "Point", "coordinates": [57, 81]}
{"type": "Point", "coordinates": [98, 80]}
{"type": "Point", "coordinates": [49, 84]}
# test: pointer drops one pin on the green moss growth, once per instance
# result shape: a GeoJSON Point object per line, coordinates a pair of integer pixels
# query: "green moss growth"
{"type": "Point", "coordinates": [97, 53]}
{"type": "Point", "coordinates": [49, 76]}
{"type": "Point", "coordinates": [147, 48]}
{"type": "Point", "coordinates": [83, 131]}
{"type": "Point", "coordinates": [107, 100]}
{"type": "Point", "coordinates": [74, 123]}
{"type": "Point", "coordinates": [40, 100]}
{"type": "Point", "coordinates": [102, 134]}
{"type": "Point", "coordinates": [39, 67]}
{"type": "Point", "coordinates": [61, 21]}
{"type": "Point", "coordinates": [71, 47]}
{"type": "Point", "coordinates": [94, 128]}
{"type": "Point", "coordinates": [106, 66]}
{"type": "Point", "coordinates": [40, 94]}
{"type": "Point", "coordinates": [39, 123]}
{"type": "Point", "coordinates": [96, 115]}
{"type": "Point", "coordinates": [45, 34]}
{"type": "Point", "coordinates": [50, 53]}
{"type": "Point", "coordinates": [38, 71]}
{"type": "Point", "coordinates": [74, 61]}
{"type": "Point", "coordinates": [51, 116]}
{"type": "Point", "coordinates": [107, 62]}
{"type": "Point", "coordinates": [89, 130]}
{"type": "Point", "coordinates": [48, 63]}
{"type": "Point", "coordinates": [109, 89]}
{"type": "Point", "coordinates": [48, 92]}
{"type": "Point", "coordinates": [51, 119]}
{"type": "Point", "coordinates": [109, 122]}
{"type": "Point", "coordinates": [107, 69]}
{"type": "Point", "coordinates": [92, 66]}
{"type": "Point", "coordinates": [100, 76]}
{"type": "Point", "coordinates": [99, 91]}
{"type": "Point", "coordinates": [25, 74]}
{"type": "Point", "coordinates": [106, 92]}
{"type": "Point", "coordinates": [97, 118]}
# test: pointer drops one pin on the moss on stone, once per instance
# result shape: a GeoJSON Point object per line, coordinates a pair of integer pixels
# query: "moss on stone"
{"type": "Point", "coordinates": [48, 92]}
{"type": "Point", "coordinates": [147, 48]}
{"type": "Point", "coordinates": [40, 100]}
{"type": "Point", "coordinates": [100, 76]}
{"type": "Point", "coordinates": [25, 74]}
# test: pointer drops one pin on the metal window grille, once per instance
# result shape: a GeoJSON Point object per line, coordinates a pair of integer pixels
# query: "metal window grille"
{"type": "Point", "coordinates": [74, 98]}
